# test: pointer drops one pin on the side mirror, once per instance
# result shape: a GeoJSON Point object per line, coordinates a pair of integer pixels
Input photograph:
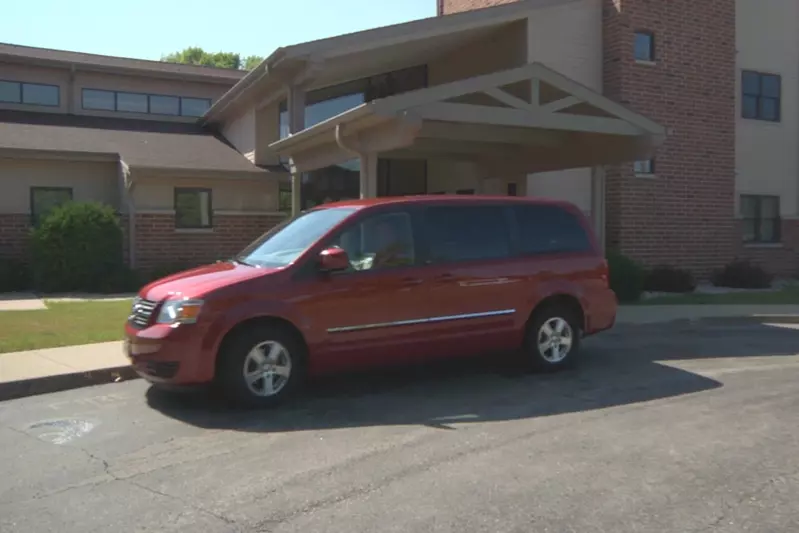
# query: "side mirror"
{"type": "Point", "coordinates": [333, 260]}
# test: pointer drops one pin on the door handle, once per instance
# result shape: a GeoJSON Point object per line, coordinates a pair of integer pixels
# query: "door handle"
{"type": "Point", "coordinates": [444, 277]}
{"type": "Point", "coordinates": [411, 281]}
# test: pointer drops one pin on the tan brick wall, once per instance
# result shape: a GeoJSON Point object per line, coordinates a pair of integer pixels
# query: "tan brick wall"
{"type": "Point", "coordinates": [683, 216]}
{"type": "Point", "coordinates": [158, 243]}
{"type": "Point", "coordinates": [14, 231]}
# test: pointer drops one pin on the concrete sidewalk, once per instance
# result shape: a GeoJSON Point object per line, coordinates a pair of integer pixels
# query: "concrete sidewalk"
{"type": "Point", "coordinates": [53, 369]}
{"type": "Point", "coordinates": [50, 370]}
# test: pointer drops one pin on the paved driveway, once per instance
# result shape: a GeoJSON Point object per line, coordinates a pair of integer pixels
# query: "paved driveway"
{"type": "Point", "coordinates": [678, 428]}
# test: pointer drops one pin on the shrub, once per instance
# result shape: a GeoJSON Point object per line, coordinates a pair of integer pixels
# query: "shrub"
{"type": "Point", "coordinates": [163, 271]}
{"type": "Point", "coordinates": [77, 247]}
{"type": "Point", "coordinates": [626, 277]}
{"type": "Point", "coordinates": [14, 276]}
{"type": "Point", "coordinates": [666, 278]}
{"type": "Point", "coordinates": [742, 274]}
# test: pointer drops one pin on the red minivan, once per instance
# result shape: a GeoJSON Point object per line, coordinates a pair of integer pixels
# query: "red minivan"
{"type": "Point", "coordinates": [381, 281]}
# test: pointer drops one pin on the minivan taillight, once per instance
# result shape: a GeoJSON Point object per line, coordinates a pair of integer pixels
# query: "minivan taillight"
{"type": "Point", "coordinates": [604, 273]}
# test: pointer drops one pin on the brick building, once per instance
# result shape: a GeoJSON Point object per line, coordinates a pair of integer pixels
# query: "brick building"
{"type": "Point", "coordinates": [725, 182]}
{"type": "Point", "coordinates": [662, 120]}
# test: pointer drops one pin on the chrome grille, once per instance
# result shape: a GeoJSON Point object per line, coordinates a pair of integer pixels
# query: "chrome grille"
{"type": "Point", "coordinates": [142, 312]}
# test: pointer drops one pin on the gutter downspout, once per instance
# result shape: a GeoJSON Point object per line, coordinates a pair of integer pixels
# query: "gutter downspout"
{"type": "Point", "coordinates": [127, 193]}
{"type": "Point", "coordinates": [364, 160]}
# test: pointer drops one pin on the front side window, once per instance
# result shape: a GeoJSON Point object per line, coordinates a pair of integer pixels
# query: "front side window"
{"type": "Point", "coordinates": [192, 208]}
{"type": "Point", "coordinates": [761, 96]}
{"type": "Point", "coordinates": [761, 218]}
{"type": "Point", "coordinates": [285, 243]}
{"type": "Point", "coordinates": [644, 46]}
{"type": "Point", "coordinates": [45, 199]}
{"type": "Point", "coordinates": [466, 233]}
{"type": "Point", "coordinates": [379, 242]}
{"type": "Point", "coordinates": [549, 229]}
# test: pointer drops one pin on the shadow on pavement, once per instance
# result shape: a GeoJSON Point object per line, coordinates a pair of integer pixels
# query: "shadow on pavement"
{"type": "Point", "coordinates": [625, 366]}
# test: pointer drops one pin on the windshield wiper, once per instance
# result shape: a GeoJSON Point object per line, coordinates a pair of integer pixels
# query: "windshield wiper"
{"type": "Point", "coordinates": [241, 261]}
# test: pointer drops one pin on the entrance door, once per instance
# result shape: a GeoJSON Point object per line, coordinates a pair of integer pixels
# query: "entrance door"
{"type": "Point", "coordinates": [370, 314]}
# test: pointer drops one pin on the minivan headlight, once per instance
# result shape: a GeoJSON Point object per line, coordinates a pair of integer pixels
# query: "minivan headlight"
{"type": "Point", "coordinates": [179, 311]}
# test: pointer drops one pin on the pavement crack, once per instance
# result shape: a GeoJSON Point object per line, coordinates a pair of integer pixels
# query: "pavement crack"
{"type": "Point", "coordinates": [218, 516]}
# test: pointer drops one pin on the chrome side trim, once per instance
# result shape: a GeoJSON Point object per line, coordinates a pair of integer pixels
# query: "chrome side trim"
{"type": "Point", "coordinates": [446, 318]}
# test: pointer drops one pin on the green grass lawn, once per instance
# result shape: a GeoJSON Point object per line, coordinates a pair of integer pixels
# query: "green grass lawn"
{"type": "Point", "coordinates": [63, 324]}
{"type": "Point", "coordinates": [789, 295]}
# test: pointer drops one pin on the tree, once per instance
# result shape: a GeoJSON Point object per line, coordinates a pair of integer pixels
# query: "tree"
{"type": "Point", "coordinates": [194, 55]}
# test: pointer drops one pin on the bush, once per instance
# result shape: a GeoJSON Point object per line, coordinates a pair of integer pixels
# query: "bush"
{"type": "Point", "coordinates": [666, 278]}
{"type": "Point", "coordinates": [14, 276]}
{"type": "Point", "coordinates": [77, 247]}
{"type": "Point", "coordinates": [163, 271]}
{"type": "Point", "coordinates": [742, 274]}
{"type": "Point", "coordinates": [626, 277]}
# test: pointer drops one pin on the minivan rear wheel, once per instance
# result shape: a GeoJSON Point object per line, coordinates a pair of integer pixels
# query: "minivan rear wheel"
{"type": "Point", "coordinates": [261, 366]}
{"type": "Point", "coordinates": [552, 340]}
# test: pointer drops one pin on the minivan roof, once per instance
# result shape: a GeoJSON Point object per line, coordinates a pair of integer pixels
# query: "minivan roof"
{"type": "Point", "coordinates": [446, 198]}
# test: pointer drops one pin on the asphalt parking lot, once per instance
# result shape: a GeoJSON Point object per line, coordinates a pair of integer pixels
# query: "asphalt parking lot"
{"type": "Point", "coordinates": [690, 426]}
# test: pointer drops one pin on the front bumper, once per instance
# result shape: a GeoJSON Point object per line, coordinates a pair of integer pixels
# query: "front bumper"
{"type": "Point", "coordinates": [169, 354]}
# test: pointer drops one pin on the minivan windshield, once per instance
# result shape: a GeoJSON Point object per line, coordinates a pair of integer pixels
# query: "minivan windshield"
{"type": "Point", "coordinates": [286, 242]}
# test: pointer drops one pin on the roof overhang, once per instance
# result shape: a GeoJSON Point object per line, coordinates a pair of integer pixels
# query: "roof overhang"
{"type": "Point", "coordinates": [331, 60]}
{"type": "Point", "coordinates": [528, 119]}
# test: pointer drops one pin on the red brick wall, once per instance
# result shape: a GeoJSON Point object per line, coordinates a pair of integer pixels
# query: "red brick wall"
{"type": "Point", "coordinates": [780, 259]}
{"type": "Point", "coordinates": [684, 216]}
{"type": "Point", "coordinates": [158, 243]}
{"type": "Point", "coordinates": [14, 231]}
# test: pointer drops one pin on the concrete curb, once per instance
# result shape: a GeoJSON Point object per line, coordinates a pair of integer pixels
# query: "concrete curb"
{"type": "Point", "coordinates": [61, 382]}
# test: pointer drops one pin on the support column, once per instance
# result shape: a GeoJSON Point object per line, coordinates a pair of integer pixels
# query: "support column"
{"type": "Point", "coordinates": [296, 118]}
{"type": "Point", "coordinates": [368, 175]}
{"type": "Point", "coordinates": [598, 204]}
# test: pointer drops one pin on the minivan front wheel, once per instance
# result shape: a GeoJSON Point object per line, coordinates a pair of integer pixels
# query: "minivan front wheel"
{"type": "Point", "coordinates": [552, 341]}
{"type": "Point", "coordinates": [261, 366]}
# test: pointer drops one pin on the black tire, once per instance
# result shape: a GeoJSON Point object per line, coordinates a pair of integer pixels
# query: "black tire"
{"type": "Point", "coordinates": [540, 360]}
{"type": "Point", "coordinates": [236, 353]}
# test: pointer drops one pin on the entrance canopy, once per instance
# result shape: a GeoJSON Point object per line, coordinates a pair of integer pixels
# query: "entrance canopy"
{"type": "Point", "coordinates": [523, 120]}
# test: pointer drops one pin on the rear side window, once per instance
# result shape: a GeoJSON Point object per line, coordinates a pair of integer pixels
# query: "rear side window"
{"type": "Point", "coordinates": [466, 233]}
{"type": "Point", "coordinates": [549, 229]}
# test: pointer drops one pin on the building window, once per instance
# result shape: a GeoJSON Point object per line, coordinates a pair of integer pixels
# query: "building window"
{"type": "Point", "coordinates": [284, 198]}
{"type": "Point", "coordinates": [644, 168]}
{"type": "Point", "coordinates": [99, 100]}
{"type": "Point", "coordinates": [760, 99]}
{"type": "Point", "coordinates": [154, 104]}
{"type": "Point", "coordinates": [164, 105]}
{"type": "Point", "coordinates": [761, 218]}
{"type": "Point", "coordinates": [192, 208]}
{"type": "Point", "coordinates": [131, 102]}
{"type": "Point", "coordinates": [194, 107]}
{"type": "Point", "coordinates": [13, 92]}
{"type": "Point", "coordinates": [45, 199]}
{"type": "Point", "coordinates": [644, 46]}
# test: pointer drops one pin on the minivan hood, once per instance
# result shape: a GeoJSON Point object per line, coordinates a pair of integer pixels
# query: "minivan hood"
{"type": "Point", "coordinates": [197, 282]}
